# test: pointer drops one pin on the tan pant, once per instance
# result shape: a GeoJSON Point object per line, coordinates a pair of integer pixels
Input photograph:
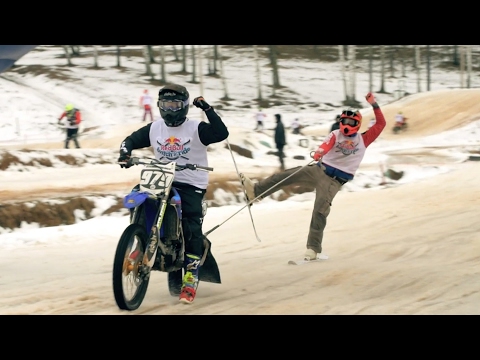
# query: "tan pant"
{"type": "Point", "coordinates": [325, 190]}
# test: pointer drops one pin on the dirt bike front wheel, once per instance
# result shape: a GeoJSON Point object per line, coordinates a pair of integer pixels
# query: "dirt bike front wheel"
{"type": "Point", "coordinates": [129, 283]}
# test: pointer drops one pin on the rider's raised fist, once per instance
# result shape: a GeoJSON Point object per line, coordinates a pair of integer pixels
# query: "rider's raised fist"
{"type": "Point", "coordinates": [370, 98]}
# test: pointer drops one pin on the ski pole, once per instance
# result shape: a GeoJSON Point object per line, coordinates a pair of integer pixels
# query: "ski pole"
{"type": "Point", "coordinates": [244, 191]}
{"type": "Point", "coordinates": [259, 196]}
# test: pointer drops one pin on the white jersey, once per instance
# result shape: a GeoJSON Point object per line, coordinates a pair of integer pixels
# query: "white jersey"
{"type": "Point", "coordinates": [399, 118]}
{"type": "Point", "coordinates": [347, 152]}
{"type": "Point", "coordinates": [146, 99]}
{"type": "Point", "coordinates": [181, 144]}
{"type": "Point", "coordinates": [260, 116]}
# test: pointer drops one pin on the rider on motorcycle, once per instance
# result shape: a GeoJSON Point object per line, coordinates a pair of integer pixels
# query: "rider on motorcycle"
{"type": "Point", "coordinates": [400, 120]}
{"type": "Point", "coordinates": [176, 137]}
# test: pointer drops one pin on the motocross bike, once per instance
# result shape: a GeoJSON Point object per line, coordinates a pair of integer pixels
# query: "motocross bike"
{"type": "Point", "coordinates": [400, 127]}
{"type": "Point", "coordinates": [155, 238]}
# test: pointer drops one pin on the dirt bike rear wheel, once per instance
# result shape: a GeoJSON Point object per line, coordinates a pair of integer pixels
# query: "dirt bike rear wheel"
{"type": "Point", "coordinates": [129, 284]}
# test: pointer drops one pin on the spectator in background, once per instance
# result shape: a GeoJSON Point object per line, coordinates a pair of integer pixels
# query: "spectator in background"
{"type": "Point", "coordinates": [146, 104]}
{"type": "Point", "coordinates": [296, 127]}
{"type": "Point", "coordinates": [280, 140]}
{"type": "Point", "coordinates": [74, 118]}
{"type": "Point", "coordinates": [260, 116]}
{"type": "Point", "coordinates": [336, 124]}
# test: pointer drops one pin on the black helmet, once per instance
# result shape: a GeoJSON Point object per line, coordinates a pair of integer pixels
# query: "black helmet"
{"type": "Point", "coordinates": [173, 102]}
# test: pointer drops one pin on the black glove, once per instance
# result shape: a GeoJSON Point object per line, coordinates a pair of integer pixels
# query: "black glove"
{"type": "Point", "coordinates": [124, 156]}
{"type": "Point", "coordinates": [200, 102]}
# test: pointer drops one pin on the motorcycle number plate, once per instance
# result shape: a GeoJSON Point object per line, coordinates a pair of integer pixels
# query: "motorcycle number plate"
{"type": "Point", "coordinates": [157, 180]}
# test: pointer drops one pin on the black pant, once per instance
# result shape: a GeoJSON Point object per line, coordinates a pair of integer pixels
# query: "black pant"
{"type": "Point", "coordinates": [192, 213]}
{"type": "Point", "coordinates": [281, 155]}
{"type": "Point", "coordinates": [72, 135]}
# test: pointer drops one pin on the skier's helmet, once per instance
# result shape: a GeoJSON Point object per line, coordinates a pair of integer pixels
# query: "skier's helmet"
{"type": "Point", "coordinates": [68, 107]}
{"type": "Point", "coordinates": [350, 122]}
{"type": "Point", "coordinates": [173, 102]}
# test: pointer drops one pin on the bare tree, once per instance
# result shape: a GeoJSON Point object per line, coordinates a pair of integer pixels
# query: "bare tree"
{"type": "Point", "coordinates": [341, 57]}
{"type": "Point", "coordinates": [218, 55]}
{"type": "Point", "coordinates": [370, 68]}
{"type": "Point", "coordinates": [455, 55]}
{"type": "Point", "coordinates": [175, 53]}
{"type": "Point", "coordinates": [382, 69]}
{"type": "Point", "coordinates": [393, 52]}
{"type": "Point", "coordinates": [418, 65]}
{"type": "Point", "coordinates": [462, 66]}
{"type": "Point", "coordinates": [215, 58]}
{"type": "Point", "coordinates": [118, 55]}
{"type": "Point", "coordinates": [259, 77]}
{"type": "Point", "coordinates": [348, 72]}
{"type": "Point", "coordinates": [212, 60]}
{"type": "Point", "coordinates": [200, 66]}
{"type": "Point", "coordinates": [194, 68]}
{"type": "Point", "coordinates": [469, 65]}
{"type": "Point", "coordinates": [274, 64]}
{"type": "Point", "coordinates": [352, 57]}
{"type": "Point", "coordinates": [428, 67]}
{"type": "Point", "coordinates": [163, 76]}
{"type": "Point", "coordinates": [184, 58]}
{"type": "Point", "coordinates": [151, 54]}
{"type": "Point", "coordinates": [95, 56]}
{"type": "Point", "coordinates": [148, 68]}
{"type": "Point", "coordinates": [67, 55]}
{"type": "Point", "coordinates": [75, 50]}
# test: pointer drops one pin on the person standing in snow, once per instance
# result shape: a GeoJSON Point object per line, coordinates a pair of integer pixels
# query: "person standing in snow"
{"type": "Point", "coordinates": [146, 104]}
{"type": "Point", "coordinates": [280, 140]}
{"type": "Point", "coordinates": [260, 116]}
{"type": "Point", "coordinates": [74, 118]}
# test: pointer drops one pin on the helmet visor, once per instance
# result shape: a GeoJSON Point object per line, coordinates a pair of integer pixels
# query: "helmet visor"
{"type": "Point", "coordinates": [347, 121]}
{"type": "Point", "coordinates": [172, 105]}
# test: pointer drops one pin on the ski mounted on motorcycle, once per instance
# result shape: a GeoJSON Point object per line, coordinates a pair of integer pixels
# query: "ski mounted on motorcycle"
{"type": "Point", "coordinates": [157, 234]}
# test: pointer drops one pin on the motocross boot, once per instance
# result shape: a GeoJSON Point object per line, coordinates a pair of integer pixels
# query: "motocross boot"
{"type": "Point", "coordinates": [190, 279]}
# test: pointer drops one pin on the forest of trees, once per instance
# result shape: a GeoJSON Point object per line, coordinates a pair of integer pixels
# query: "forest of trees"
{"type": "Point", "coordinates": [390, 57]}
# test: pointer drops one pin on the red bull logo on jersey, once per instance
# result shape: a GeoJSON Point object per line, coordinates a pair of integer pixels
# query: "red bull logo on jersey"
{"type": "Point", "coordinates": [346, 147]}
{"type": "Point", "coordinates": [173, 148]}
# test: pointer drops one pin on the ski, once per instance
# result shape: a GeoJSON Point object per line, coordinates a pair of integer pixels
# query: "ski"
{"type": "Point", "coordinates": [320, 257]}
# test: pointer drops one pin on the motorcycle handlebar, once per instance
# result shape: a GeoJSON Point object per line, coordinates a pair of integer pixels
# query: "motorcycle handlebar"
{"type": "Point", "coordinates": [141, 161]}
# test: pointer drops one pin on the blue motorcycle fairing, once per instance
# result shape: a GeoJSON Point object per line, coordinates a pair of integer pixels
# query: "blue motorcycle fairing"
{"type": "Point", "coordinates": [134, 199]}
